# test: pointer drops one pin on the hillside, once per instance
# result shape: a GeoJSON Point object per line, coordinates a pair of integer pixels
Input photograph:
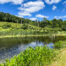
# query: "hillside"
{"type": "Point", "coordinates": [9, 28]}
{"type": "Point", "coordinates": [13, 25]}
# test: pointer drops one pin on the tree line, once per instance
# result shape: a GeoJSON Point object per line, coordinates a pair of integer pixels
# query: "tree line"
{"type": "Point", "coordinates": [11, 18]}
{"type": "Point", "coordinates": [55, 23]}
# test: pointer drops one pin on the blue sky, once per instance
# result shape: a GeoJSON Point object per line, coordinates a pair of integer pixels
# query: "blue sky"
{"type": "Point", "coordinates": [35, 9]}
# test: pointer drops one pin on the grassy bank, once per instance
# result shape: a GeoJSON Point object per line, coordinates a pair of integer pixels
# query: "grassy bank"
{"type": "Point", "coordinates": [61, 57]}
{"type": "Point", "coordinates": [61, 60]}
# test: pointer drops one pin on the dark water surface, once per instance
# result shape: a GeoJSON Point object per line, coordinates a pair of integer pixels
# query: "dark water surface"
{"type": "Point", "coordinates": [13, 46]}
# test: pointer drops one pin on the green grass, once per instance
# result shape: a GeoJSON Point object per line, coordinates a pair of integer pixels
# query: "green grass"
{"type": "Point", "coordinates": [15, 25]}
{"type": "Point", "coordinates": [60, 44]}
{"type": "Point", "coordinates": [12, 24]}
{"type": "Point", "coordinates": [61, 57]}
{"type": "Point", "coordinates": [15, 30]}
{"type": "Point", "coordinates": [61, 60]}
{"type": "Point", "coordinates": [38, 56]}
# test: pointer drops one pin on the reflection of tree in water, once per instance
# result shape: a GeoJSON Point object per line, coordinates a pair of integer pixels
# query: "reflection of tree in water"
{"type": "Point", "coordinates": [9, 42]}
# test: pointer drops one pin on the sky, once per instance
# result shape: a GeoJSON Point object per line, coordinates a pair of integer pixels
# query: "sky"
{"type": "Point", "coordinates": [35, 9]}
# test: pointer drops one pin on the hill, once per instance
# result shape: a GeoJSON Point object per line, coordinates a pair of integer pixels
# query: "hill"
{"type": "Point", "coordinates": [13, 25]}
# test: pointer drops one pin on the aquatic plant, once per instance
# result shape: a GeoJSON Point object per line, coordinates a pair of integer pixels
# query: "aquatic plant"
{"type": "Point", "coordinates": [38, 56]}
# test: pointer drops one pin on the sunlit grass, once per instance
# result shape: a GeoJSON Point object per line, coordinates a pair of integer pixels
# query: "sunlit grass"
{"type": "Point", "coordinates": [31, 30]}
{"type": "Point", "coordinates": [61, 60]}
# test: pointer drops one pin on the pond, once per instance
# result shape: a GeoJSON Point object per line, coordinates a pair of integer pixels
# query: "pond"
{"type": "Point", "coordinates": [10, 47]}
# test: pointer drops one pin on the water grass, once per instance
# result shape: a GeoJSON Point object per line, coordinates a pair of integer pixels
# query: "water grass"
{"type": "Point", "coordinates": [38, 56]}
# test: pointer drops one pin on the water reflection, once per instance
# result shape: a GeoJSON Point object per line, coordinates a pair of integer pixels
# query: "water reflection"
{"type": "Point", "coordinates": [5, 53]}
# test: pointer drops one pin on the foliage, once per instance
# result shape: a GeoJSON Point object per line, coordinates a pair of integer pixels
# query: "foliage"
{"type": "Point", "coordinates": [60, 44]}
{"type": "Point", "coordinates": [64, 26]}
{"type": "Point", "coordinates": [5, 26]}
{"type": "Point", "coordinates": [38, 56]}
{"type": "Point", "coordinates": [11, 18]}
{"type": "Point", "coordinates": [24, 26]}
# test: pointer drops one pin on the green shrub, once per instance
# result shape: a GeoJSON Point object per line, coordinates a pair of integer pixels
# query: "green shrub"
{"type": "Point", "coordinates": [24, 26]}
{"type": "Point", "coordinates": [5, 26]}
{"type": "Point", "coordinates": [64, 27]}
{"type": "Point", "coordinates": [38, 56]}
{"type": "Point", "coordinates": [58, 45]}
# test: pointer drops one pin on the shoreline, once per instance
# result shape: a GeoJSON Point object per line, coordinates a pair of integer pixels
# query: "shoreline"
{"type": "Point", "coordinates": [13, 36]}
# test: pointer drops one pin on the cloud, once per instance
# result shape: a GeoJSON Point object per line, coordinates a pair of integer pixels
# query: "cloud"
{"type": "Point", "coordinates": [24, 14]}
{"type": "Point", "coordinates": [12, 1]}
{"type": "Point", "coordinates": [41, 16]}
{"type": "Point", "coordinates": [54, 7]}
{"type": "Point", "coordinates": [52, 1]}
{"type": "Point", "coordinates": [31, 7]}
{"type": "Point", "coordinates": [59, 17]}
{"type": "Point", "coordinates": [33, 19]}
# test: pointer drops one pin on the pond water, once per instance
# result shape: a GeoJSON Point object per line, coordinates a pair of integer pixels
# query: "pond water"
{"type": "Point", "coordinates": [10, 47]}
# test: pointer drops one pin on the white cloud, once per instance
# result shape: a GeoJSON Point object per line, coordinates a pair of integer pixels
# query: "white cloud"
{"type": "Point", "coordinates": [12, 1]}
{"type": "Point", "coordinates": [59, 17]}
{"type": "Point", "coordinates": [33, 19]}
{"type": "Point", "coordinates": [54, 7]}
{"type": "Point", "coordinates": [41, 16]}
{"type": "Point", "coordinates": [31, 7]}
{"type": "Point", "coordinates": [24, 14]}
{"type": "Point", "coordinates": [52, 1]}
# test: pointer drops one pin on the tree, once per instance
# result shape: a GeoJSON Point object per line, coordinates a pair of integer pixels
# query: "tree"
{"type": "Point", "coordinates": [54, 23]}
{"type": "Point", "coordinates": [64, 26]}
